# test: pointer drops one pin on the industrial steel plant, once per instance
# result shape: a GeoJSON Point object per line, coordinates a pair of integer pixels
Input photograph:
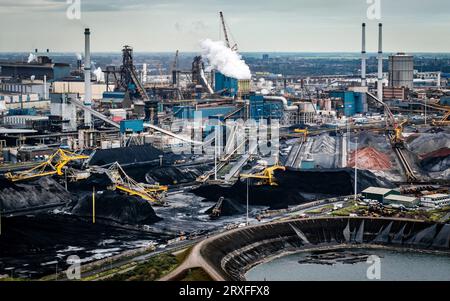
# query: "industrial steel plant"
{"type": "Point", "coordinates": [220, 163]}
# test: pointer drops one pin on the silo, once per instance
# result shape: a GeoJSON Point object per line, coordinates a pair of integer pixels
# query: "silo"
{"type": "Point", "coordinates": [401, 71]}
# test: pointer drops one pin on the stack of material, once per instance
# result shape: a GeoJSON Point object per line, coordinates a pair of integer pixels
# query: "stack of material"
{"type": "Point", "coordinates": [117, 207]}
{"type": "Point", "coordinates": [436, 161]}
{"type": "Point", "coordinates": [32, 194]}
{"type": "Point", "coordinates": [126, 155]}
{"type": "Point", "coordinates": [428, 142]}
{"type": "Point", "coordinates": [370, 159]}
{"type": "Point", "coordinates": [324, 144]}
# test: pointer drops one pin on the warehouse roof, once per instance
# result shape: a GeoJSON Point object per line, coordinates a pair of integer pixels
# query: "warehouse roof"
{"type": "Point", "coordinates": [401, 198]}
{"type": "Point", "coordinates": [436, 196]}
{"type": "Point", "coordinates": [378, 190]}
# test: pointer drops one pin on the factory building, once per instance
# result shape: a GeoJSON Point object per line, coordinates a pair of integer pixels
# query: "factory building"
{"type": "Point", "coordinates": [78, 87]}
{"type": "Point", "coordinates": [63, 111]}
{"type": "Point", "coordinates": [42, 68]}
{"type": "Point", "coordinates": [436, 200]}
{"type": "Point", "coordinates": [401, 200]}
{"type": "Point", "coordinates": [401, 71]}
{"type": "Point", "coordinates": [378, 194]}
{"type": "Point", "coordinates": [353, 102]}
{"type": "Point", "coordinates": [230, 86]}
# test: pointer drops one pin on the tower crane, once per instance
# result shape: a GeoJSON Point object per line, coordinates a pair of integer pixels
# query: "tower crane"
{"type": "Point", "coordinates": [225, 32]}
{"type": "Point", "coordinates": [53, 166]}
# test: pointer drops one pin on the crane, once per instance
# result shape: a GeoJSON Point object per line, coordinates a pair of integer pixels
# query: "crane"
{"type": "Point", "coordinates": [397, 128]}
{"type": "Point", "coordinates": [445, 120]}
{"type": "Point", "coordinates": [225, 32]}
{"type": "Point", "coordinates": [121, 181]}
{"type": "Point", "coordinates": [266, 176]}
{"type": "Point", "coordinates": [53, 166]}
{"type": "Point", "coordinates": [175, 61]}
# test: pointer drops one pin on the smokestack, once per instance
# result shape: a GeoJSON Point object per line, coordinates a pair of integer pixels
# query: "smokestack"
{"type": "Point", "coordinates": [363, 57]}
{"type": "Point", "coordinates": [380, 62]}
{"type": "Point", "coordinates": [87, 77]}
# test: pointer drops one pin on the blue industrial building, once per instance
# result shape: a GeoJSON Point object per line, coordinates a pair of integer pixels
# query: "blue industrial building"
{"type": "Point", "coordinates": [354, 102]}
{"type": "Point", "coordinates": [188, 112]}
{"type": "Point", "coordinates": [228, 85]}
{"type": "Point", "coordinates": [135, 126]}
{"type": "Point", "coordinates": [259, 108]}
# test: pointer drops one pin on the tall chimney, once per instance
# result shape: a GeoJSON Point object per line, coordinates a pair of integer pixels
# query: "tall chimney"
{"type": "Point", "coordinates": [380, 62]}
{"type": "Point", "coordinates": [363, 57]}
{"type": "Point", "coordinates": [87, 77]}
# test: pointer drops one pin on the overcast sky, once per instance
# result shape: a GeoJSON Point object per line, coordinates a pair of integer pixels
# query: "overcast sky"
{"type": "Point", "coordinates": [256, 25]}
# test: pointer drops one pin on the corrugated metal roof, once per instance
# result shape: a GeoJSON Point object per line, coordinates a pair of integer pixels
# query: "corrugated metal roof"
{"type": "Point", "coordinates": [377, 190]}
{"type": "Point", "coordinates": [400, 198]}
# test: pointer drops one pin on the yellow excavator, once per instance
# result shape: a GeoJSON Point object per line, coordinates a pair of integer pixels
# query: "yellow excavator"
{"type": "Point", "coordinates": [266, 177]}
{"type": "Point", "coordinates": [53, 166]}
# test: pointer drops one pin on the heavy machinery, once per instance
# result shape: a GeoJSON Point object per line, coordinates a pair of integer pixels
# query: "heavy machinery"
{"type": "Point", "coordinates": [266, 177]}
{"type": "Point", "coordinates": [445, 120]}
{"type": "Point", "coordinates": [393, 126]}
{"type": "Point", "coordinates": [53, 166]}
{"type": "Point", "coordinates": [225, 32]}
{"type": "Point", "coordinates": [302, 131]}
{"type": "Point", "coordinates": [121, 181]}
{"type": "Point", "coordinates": [217, 210]}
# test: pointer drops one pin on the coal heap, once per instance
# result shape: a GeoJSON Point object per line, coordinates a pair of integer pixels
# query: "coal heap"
{"type": "Point", "coordinates": [29, 195]}
{"type": "Point", "coordinates": [116, 207]}
{"type": "Point", "coordinates": [229, 208]}
{"type": "Point", "coordinates": [291, 185]}
{"type": "Point", "coordinates": [436, 161]}
{"type": "Point", "coordinates": [171, 175]}
{"type": "Point", "coordinates": [126, 155]}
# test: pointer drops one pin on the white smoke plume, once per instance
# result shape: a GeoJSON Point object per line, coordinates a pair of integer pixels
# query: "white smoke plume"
{"type": "Point", "coordinates": [225, 60]}
{"type": "Point", "coordinates": [32, 58]}
{"type": "Point", "coordinates": [99, 74]}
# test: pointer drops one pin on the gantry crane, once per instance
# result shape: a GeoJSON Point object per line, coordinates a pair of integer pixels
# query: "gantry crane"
{"type": "Point", "coordinates": [121, 181]}
{"type": "Point", "coordinates": [266, 177]}
{"type": "Point", "coordinates": [53, 166]}
{"type": "Point", "coordinates": [225, 32]}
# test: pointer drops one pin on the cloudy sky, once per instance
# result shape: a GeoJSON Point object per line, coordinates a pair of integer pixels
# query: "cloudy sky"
{"type": "Point", "coordinates": [256, 25]}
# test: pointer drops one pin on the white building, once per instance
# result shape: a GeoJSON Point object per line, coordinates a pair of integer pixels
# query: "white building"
{"type": "Point", "coordinates": [435, 200]}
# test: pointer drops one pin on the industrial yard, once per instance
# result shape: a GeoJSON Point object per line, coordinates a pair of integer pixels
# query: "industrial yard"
{"type": "Point", "coordinates": [130, 161]}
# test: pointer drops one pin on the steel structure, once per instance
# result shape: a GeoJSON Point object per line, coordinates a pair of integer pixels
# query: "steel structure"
{"type": "Point", "coordinates": [53, 166]}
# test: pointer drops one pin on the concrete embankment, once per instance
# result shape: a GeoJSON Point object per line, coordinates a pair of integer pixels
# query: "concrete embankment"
{"type": "Point", "coordinates": [229, 255]}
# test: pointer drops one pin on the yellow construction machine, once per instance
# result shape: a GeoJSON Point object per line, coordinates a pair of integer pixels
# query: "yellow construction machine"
{"type": "Point", "coordinates": [53, 166]}
{"type": "Point", "coordinates": [266, 177]}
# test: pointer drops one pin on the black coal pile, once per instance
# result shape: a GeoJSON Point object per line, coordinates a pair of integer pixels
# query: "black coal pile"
{"type": "Point", "coordinates": [176, 175]}
{"type": "Point", "coordinates": [334, 182]}
{"type": "Point", "coordinates": [436, 161]}
{"type": "Point", "coordinates": [293, 186]}
{"type": "Point", "coordinates": [126, 155]}
{"type": "Point", "coordinates": [116, 207]}
{"type": "Point", "coordinates": [275, 197]}
{"type": "Point", "coordinates": [28, 243]}
{"type": "Point", "coordinates": [229, 208]}
{"type": "Point", "coordinates": [39, 193]}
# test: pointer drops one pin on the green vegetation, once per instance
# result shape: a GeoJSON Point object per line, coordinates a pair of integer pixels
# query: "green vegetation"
{"type": "Point", "coordinates": [196, 274]}
{"type": "Point", "coordinates": [153, 269]}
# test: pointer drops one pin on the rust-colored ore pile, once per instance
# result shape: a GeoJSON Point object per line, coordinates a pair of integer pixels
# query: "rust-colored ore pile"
{"type": "Point", "coordinates": [371, 159]}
